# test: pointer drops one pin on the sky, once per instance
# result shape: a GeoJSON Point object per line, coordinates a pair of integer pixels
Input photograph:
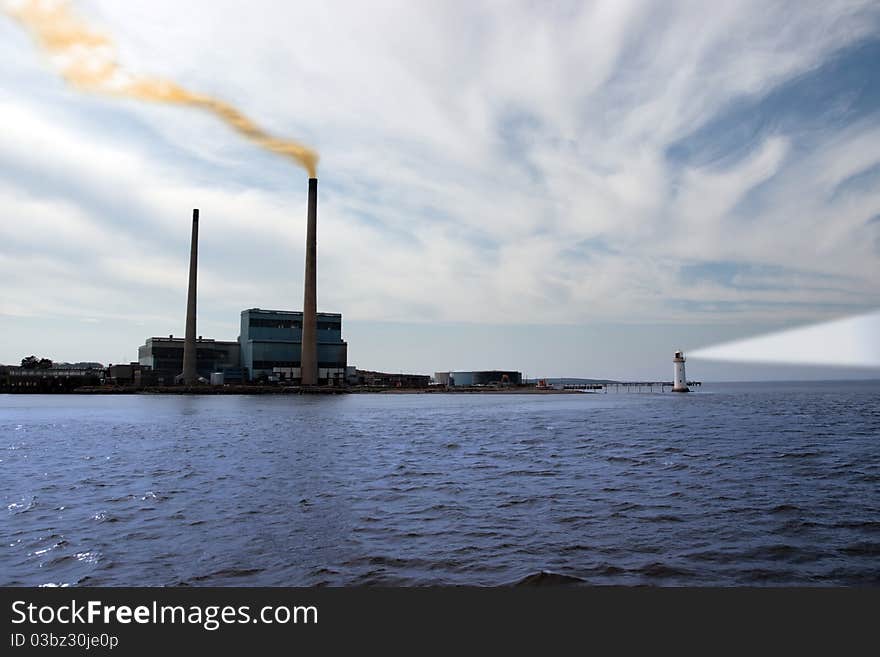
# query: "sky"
{"type": "Point", "coordinates": [560, 188]}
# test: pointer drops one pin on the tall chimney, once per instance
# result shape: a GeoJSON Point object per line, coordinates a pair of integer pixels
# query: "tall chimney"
{"type": "Point", "coordinates": [190, 371]}
{"type": "Point", "coordinates": [309, 351]}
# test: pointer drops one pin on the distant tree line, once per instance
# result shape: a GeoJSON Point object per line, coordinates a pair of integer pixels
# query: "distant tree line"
{"type": "Point", "coordinates": [34, 363]}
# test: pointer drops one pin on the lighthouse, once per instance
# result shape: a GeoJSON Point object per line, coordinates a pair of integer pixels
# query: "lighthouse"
{"type": "Point", "coordinates": [680, 382]}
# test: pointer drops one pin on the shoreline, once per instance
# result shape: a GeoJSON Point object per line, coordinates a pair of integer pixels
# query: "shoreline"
{"type": "Point", "coordinates": [300, 390]}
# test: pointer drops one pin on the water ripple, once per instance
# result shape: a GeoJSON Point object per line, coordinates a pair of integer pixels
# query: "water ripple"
{"type": "Point", "coordinates": [739, 485]}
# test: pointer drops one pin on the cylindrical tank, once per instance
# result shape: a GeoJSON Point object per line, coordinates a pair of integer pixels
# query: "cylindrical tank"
{"type": "Point", "coordinates": [679, 381]}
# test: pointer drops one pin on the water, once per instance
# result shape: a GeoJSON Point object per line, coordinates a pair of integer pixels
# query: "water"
{"type": "Point", "coordinates": [761, 484]}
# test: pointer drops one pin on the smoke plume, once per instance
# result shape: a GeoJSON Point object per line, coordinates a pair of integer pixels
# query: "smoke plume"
{"type": "Point", "coordinates": [87, 60]}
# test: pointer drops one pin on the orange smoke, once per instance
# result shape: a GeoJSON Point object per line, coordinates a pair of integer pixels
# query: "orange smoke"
{"type": "Point", "coordinates": [87, 60]}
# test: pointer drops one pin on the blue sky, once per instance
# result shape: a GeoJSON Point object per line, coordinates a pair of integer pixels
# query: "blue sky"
{"type": "Point", "coordinates": [568, 189]}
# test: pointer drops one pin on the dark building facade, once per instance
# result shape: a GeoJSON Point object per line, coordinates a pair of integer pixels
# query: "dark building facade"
{"type": "Point", "coordinates": [390, 379]}
{"type": "Point", "coordinates": [484, 378]}
{"type": "Point", "coordinates": [165, 357]}
{"type": "Point", "coordinates": [58, 378]}
{"type": "Point", "coordinates": [271, 344]}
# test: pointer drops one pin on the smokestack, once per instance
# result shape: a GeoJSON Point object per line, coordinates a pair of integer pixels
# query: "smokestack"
{"type": "Point", "coordinates": [309, 352]}
{"type": "Point", "coordinates": [190, 371]}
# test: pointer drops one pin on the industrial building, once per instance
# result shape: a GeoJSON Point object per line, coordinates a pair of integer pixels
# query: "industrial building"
{"type": "Point", "coordinates": [165, 357]}
{"type": "Point", "coordinates": [275, 345]}
{"type": "Point", "coordinates": [271, 345]}
{"type": "Point", "coordinates": [121, 374]}
{"type": "Point", "coordinates": [268, 348]}
{"type": "Point", "coordinates": [389, 379]}
{"type": "Point", "coordinates": [60, 377]}
{"type": "Point", "coordinates": [478, 378]}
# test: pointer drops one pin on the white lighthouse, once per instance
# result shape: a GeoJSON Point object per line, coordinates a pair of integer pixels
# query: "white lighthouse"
{"type": "Point", "coordinates": [680, 382]}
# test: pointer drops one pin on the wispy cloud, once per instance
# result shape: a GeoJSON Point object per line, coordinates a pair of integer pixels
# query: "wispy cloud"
{"type": "Point", "coordinates": [482, 162]}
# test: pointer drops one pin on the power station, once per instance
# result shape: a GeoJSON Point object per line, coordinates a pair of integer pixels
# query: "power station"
{"type": "Point", "coordinates": [301, 347]}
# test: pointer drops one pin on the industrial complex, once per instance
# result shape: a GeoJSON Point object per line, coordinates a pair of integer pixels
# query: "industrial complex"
{"type": "Point", "coordinates": [300, 349]}
{"type": "Point", "coordinates": [268, 348]}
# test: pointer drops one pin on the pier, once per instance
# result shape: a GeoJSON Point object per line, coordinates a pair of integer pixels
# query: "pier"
{"type": "Point", "coordinates": [644, 386]}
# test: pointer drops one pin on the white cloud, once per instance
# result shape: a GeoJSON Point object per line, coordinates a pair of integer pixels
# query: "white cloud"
{"type": "Point", "coordinates": [480, 161]}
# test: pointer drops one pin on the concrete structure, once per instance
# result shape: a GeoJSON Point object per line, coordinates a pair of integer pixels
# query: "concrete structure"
{"type": "Point", "coordinates": [679, 380]}
{"type": "Point", "coordinates": [483, 378]}
{"type": "Point", "coordinates": [190, 367]}
{"type": "Point", "coordinates": [165, 357]}
{"type": "Point", "coordinates": [441, 378]}
{"type": "Point", "coordinates": [309, 345]}
{"type": "Point", "coordinates": [272, 345]}
{"type": "Point", "coordinates": [122, 374]}
{"type": "Point", "coordinates": [390, 379]}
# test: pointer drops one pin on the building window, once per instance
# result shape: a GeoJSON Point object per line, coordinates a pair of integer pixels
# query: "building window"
{"type": "Point", "coordinates": [274, 323]}
{"type": "Point", "coordinates": [269, 364]}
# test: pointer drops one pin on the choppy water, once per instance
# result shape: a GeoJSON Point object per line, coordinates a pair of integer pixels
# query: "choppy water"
{"type": "Point", "coordinates": [734, 485]}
